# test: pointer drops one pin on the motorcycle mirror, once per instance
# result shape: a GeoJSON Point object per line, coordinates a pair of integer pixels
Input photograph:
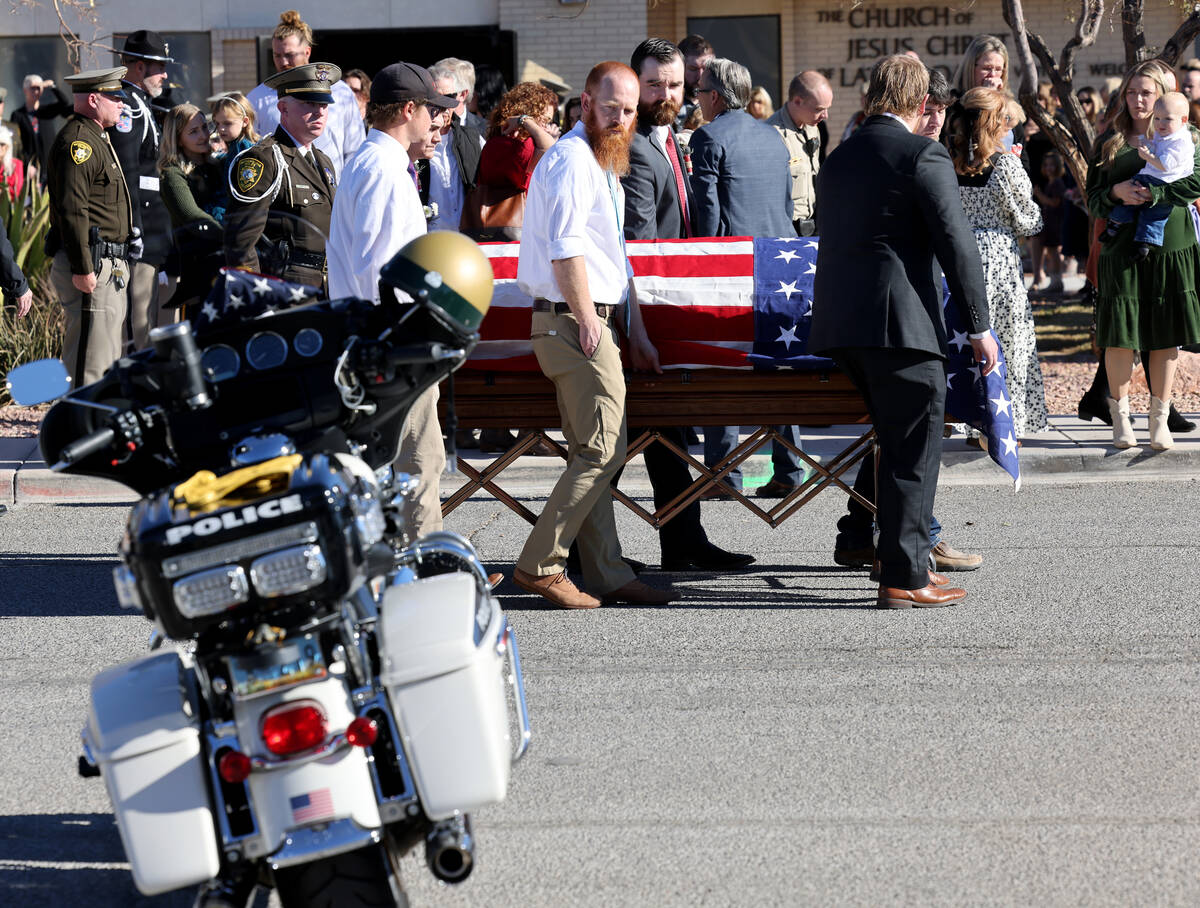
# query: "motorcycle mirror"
{"type": "Point", "coordinates": [38, 382]}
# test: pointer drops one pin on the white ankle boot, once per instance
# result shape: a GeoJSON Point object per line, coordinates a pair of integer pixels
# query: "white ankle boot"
{"type": "Point", "coordinates": [1121, 426]}
{"type": "Point", "coordinates": [1160, 435]}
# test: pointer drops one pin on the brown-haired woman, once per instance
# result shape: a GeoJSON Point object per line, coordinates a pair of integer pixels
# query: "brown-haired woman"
{"type": "Point", "coordinates": [1149, 305]}
{"type": "Point", "coordinates": [998, 200]}
{"type": "Point", "coordinates": [520, 129]}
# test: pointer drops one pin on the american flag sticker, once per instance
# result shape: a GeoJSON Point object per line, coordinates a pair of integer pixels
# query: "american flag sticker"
{"type": "Point", "coordinates": [314, 805]}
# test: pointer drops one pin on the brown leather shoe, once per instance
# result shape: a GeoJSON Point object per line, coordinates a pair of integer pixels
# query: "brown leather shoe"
{"type": "Point", "coordinates": [557, 588]}
{"type": "Point", "coordinates": [638, 593]}
{"type": "Point", "coordinates": [494, 580]}
{"type": "Point", "coordinates": [927, 597]}
{"type": "Point", "coordinates": [936, 579]}
{"type": "Point", "coordinates": [947, 558]}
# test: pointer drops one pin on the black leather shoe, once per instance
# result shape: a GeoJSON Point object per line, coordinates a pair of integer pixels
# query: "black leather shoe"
{"type": "Point", "coordinates": [854, 558]}
{"type": "Point", "coordinates": [1094, 405]}
{"type": "Point", "coordinates": [1176, 424]}
{"type": "Point", "coordinates": [706, 558]}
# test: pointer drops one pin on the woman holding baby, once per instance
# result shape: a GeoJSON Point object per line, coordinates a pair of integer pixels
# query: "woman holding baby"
{"type": "Point", "coordinates": [1147, 294]}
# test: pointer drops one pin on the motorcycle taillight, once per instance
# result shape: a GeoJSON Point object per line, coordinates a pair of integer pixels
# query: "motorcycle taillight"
{"type": "Point", "coordinates": [294, 727]}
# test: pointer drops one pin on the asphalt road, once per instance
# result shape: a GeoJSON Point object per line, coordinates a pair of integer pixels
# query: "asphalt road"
{"type": "Point", "coordinates": [771, 740]}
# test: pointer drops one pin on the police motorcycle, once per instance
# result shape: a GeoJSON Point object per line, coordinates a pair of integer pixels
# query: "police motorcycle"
{"type": "Point", "coordinates": [336, 692]}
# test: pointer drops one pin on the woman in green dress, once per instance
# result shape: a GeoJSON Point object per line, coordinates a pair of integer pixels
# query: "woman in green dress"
{"type": "Point", "coordinates": [1150, 304]}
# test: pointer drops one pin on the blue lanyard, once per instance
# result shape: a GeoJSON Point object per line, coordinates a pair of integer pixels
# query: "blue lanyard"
{"type": "Point", "coordinates": [612, 192]}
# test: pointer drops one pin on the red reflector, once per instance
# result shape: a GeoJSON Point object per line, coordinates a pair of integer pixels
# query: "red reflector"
{"type": "Point", "coordinates": [294, 727]}
{"type": "Point", "coordinates": [234, 766]}
{"type": "Point", "coordinates": [362, 732]}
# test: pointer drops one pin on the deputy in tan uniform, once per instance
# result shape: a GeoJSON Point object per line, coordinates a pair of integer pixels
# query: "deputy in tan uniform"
{"type": "Point", "coordinates": [281, 190]}
{"type": "Point", "coordinates": [91, 222]}
{"type": "Point", "coordinates": [809, 98]}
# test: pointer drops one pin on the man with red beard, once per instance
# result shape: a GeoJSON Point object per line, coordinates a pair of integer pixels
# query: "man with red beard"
{"type": "Point", "coordinates": [573, 263]}
{"type": "Point", "coordinates": [658, 206]}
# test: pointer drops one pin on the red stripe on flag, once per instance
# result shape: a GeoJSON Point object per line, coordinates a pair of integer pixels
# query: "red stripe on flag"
{"type": "Point", "coordinates": [716, 265]}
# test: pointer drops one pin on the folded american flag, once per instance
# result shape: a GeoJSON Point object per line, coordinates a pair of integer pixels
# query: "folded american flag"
{"type": "Point", "coordinates": [735, 303]}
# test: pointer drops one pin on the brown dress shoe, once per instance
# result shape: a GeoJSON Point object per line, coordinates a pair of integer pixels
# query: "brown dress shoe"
{"type": "Point", "coordinates": [936, 579]}
{"type": "Point", "coordinates": [947, 558]}
{"type": "Point", "coordinates": [927, 597]}
{"type": "Point", "coordinates": [556, 588]}
{"type": "Point", "coordinates": [494, 580]}
{"type": "Point", "coordinates": [639, 593]}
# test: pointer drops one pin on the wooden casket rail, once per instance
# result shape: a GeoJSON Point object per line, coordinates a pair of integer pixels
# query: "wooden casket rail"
{"type": "Point", "coordinates": [526, 402]}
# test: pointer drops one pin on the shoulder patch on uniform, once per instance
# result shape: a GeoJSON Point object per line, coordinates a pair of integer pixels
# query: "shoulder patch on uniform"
{"type": "Point", "coordinates": [80, 152]}
{"type": "Point", "coordinates": [249, 172]}
{"type": "Point", "coordinates": [125, 121]}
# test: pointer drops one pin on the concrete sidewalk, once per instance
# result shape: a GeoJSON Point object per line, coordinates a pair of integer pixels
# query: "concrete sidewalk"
{"type": "Point", "coordinates": [1069, 451]}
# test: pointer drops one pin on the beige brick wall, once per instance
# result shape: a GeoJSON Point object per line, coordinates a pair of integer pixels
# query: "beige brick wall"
{"type": "Point", "coordinates": [548, 42]}
{"type": "Point", "coordinates": [240, 70]}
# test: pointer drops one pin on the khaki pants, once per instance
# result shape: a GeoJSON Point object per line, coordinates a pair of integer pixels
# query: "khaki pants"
{"type": "Point", "coordinates": [92, 340]}
{"type": "Point", "coordinates": [591, 402]}
{"type": "Point", "coordinates": [423, 454]}
{"type": "Point", "coordinates": [146, 296]}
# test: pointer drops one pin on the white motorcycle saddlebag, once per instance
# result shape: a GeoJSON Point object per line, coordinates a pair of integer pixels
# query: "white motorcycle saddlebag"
{"type": "Point", "coordinates": [444, 676]}
{"type": "Point", "coordinates": [145, 737]}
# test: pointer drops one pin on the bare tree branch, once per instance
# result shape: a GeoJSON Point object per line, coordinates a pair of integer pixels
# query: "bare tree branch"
{"type": "Point", "coordinates": [1133, 30]}
{"type": "Point", "coordinates": [1184, 35]}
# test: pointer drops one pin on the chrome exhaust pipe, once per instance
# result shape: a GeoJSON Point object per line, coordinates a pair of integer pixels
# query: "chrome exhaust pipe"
{"type": "Point", "coordinates": [450, 849]}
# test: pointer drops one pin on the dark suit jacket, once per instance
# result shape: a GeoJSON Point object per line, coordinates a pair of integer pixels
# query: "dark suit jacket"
{"type": "Point", "coordinates": [891, 205]}
{"type": "Point", "coordinates": [136, 143]}
{"type": "Point", "coordinates": [35, 144]}
{"type": "Point", "coordinates": [652, 209]}
{"type": "Point", "coordinates": [741, 178]}
{"type": "Point", "coordinates": [465, 139]}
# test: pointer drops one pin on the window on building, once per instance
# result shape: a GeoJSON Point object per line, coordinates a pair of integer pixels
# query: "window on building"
{"type": "Point", "coordinates": [45, 56]}
{"type": "Point", "coordinates": [752, 41]}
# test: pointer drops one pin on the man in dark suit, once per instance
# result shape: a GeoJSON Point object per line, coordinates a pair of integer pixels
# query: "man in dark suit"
{"type": "Point", "coordinates": [44, 102]}
{"type": "Point", "coordinates": [893, 205]}
{"type": "Point", "coordinates": [658, 205]}
{"type": "Point", "coordinates": [742, 183]}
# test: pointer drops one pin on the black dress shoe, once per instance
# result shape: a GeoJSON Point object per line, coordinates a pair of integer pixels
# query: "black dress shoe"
{"type": "Point", "coordinates": [1176, 424]}
{"type": "Point", "coordinates": [706, 558]}
{"type": "Point", "coordinates": [1094, 405]}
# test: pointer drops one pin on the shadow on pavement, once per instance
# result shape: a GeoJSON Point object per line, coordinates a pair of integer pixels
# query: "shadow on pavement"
{"type": "Point", "coordinates": [43, 586]}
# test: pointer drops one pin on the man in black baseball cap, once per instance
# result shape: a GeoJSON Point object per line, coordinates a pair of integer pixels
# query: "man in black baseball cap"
{"type": "Point", "coordinates": [409, 82]}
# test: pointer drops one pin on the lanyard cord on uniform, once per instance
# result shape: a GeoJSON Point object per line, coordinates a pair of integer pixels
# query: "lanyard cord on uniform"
{"type": "Point", "coordinates": [142, 112]}
{"type": "Point", "coordinates": [272, 190]}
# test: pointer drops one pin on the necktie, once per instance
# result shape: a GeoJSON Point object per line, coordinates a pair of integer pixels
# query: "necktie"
{"type": "Point", "coordinates": [412, 172]}
{"type": "Point", "coordinates": [673, 157]}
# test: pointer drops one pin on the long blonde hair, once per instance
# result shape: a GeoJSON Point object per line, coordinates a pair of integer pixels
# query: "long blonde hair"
{"type": "Point", "coordinates": [1122, 122]}
{"type": "Point", "coordinates": [235, 102]}
{"type": "Point", "coordinates": [983, 44]}
{"type": "Point", "coordinates": [170, 150]}
{"type": "Point", "coordinates": [977, 124]}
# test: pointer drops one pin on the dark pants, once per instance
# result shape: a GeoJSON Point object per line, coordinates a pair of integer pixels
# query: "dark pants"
{"type": "Point", "coordinates": [856, 528]}
{"type": "Point", "coordinates": [1151, 219]}
{"type": "Point", "coordinates": [905, 392]}
{"type": "Point", "coordinates": [669, 476]}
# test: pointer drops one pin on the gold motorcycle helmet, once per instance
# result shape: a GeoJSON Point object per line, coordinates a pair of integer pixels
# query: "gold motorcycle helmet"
{"type": "Point", "coordinates": [446, 274]}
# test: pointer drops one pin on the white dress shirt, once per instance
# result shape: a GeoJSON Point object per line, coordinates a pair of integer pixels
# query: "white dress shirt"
{"type": "Point", "coordinates": [343, 128]}
{"type": "Point", "coordinates": [376, 211]}
{"type": "Point", "coordinates": [570, 211]}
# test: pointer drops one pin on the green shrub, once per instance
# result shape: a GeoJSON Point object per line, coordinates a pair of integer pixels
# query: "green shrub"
{"type": "Point", "coordinates": [39, 334]}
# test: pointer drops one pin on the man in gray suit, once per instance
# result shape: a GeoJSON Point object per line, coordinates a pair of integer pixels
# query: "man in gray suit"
{"type": "Point", "coordinates": [742, 186]}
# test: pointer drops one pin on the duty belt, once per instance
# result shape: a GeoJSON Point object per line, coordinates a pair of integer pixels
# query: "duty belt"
{"type": "Point", "coordinates": [105, 249]}
{"type": "Point", "coordinates": [313, 260]}
{"type": "Point", "coordinates": [604, 310]}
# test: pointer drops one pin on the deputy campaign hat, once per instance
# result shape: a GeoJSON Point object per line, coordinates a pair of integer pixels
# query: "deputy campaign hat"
{"type": "Point", "coordinates": [105, 81]}
{"type": "Point", "coordinates": [147, 45]}
{"type": "Point", "coordinates": [408, 82]}
{"type": "Point", "coordinates": [311, 82]}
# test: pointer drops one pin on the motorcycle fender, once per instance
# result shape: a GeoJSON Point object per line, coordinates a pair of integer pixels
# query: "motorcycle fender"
{"type": "Point", "coordinates": [144, 735]}
{"type": "Point", "coordinates": [297, 793]}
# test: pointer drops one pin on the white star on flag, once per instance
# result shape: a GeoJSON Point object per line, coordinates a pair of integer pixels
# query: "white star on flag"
{"type": "Point", "coordinates": [788, 239]}
{"type": "Point", "coordinates": [788, 289]}
{"type": "Point", "coordinates": [813, 244]}
{"type": "Point", "coordinates": [950, 379]}
{"type": "Point", "coordinates": [209, 310]}
{"type": "Point", "coordinates": [974, 370]}
{"type": "Point", "coordinates": [297, 294]}
{"type": "Point", "coordinates": [960, 340]}
{"type": "Point", "coordinates": [235, 301]}
{"type": "Point", "coordinates": [787, 255]}
{"type": "Point", "coordinates": [1010, 445]}
{"type": "Point", "coordinates": [261, 286]}
{"type": "Point", "coordinates": [1002, 404]}
{"type": "Point", "coordinates": [787, 336]}
{"type": "Point", "coordinates": [812, 268]}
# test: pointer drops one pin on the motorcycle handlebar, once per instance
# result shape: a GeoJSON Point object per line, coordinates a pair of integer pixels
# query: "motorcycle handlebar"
{"type": "Point", "coordinates": [89, 444]}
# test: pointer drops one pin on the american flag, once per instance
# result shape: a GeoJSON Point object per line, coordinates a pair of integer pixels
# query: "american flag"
{"type": "Point", "coordinates": [240, 296]}
{"type": "Point", "coordinates": [735, 303]}
{"type": "Point", "coordinates": [312, 806]}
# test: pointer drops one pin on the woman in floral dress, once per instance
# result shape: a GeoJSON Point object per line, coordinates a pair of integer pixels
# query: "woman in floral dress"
{"type": "Point", "coordinates": [998, 200]}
